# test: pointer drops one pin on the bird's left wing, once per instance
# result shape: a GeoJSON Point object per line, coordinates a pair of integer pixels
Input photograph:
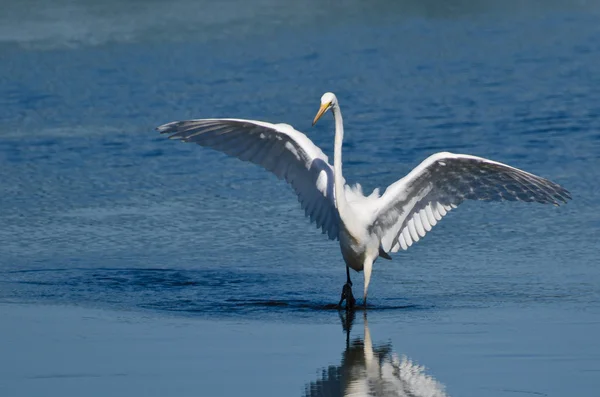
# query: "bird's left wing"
{"type": "Point", "coordinates": [410, 207]}
{"type": "Point", "coordinates": [279, 148]}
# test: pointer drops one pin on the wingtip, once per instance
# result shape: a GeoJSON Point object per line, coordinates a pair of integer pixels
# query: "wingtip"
{"type": "Point", "coordinates": [165, 128]}
{"type": "Point", "coordinates": [565, 196]}
{"type": "Point", "coordinates": [563, 199]}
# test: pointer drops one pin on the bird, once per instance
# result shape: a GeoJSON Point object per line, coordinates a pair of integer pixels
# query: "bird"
{"type": "Point", "coordinates": [367, 369]}
{"type": "Point", "coordinates": [367, 227]}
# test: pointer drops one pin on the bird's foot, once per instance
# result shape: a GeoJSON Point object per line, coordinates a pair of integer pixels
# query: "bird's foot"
{"type": "Point", "coordinates": [348, 297]}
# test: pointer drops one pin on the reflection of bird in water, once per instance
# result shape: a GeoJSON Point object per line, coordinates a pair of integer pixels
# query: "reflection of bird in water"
{"type": "Point", "coordinates": [368, 370]}
{"type": "Point", "coordinates": [368, 227]}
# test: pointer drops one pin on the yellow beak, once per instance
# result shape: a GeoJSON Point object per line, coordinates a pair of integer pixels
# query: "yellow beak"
{"type": "Point", "coordinates": [321, 112]}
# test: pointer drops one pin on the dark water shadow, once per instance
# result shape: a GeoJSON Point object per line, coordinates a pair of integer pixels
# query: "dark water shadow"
{"type": "Point", "coordinates": [315, 306]}
{"type": "Point", "coordinates": [214, 293]}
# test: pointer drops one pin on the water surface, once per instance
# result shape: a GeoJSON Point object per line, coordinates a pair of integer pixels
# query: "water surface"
{"type": "Point", "coordinates": [99, 211]}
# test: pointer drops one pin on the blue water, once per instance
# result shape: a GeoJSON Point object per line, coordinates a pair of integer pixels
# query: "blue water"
{"type": "Point", "coordinates": [100, 211]}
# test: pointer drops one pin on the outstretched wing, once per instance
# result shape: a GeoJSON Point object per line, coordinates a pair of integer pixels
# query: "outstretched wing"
{"type": "Point", "coordinates": [279, 148]}
{"type": "Point", "coordinates": [410, 207]}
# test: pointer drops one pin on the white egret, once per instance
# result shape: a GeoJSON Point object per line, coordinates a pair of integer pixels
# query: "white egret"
{"type": "Point", "coordinates": [367, 227]}
{"type": "Point", "coordinates": [375, 371]}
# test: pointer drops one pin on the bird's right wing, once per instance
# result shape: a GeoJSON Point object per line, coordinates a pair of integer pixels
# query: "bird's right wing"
{"type": "Point", "coordinates": [410, 207]}
{"type": "Point", "coordinates": [279, 148]}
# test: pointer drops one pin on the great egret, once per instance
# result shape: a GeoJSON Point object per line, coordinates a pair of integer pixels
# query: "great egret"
{"type": "Point", "coordinates": [374, 370]}
{"type": "Point", "coordinates": [367, 227]}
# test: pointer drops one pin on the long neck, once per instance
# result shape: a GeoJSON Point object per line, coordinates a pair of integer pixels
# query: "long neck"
{"type": "Point", "coordinates": [338, 179]}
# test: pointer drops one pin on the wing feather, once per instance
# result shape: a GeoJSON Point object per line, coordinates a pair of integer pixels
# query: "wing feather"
{"type": "Point", "coordinates": [406, 235]}
{"type": "Point", "coordinates": [419, 225]}
{"type": "Point", "coordinates": [430, 217]}
{"type": "Point", "coordinates": [425, 220]}
{"type": "Point", "coordinates": [280, 149]}
{"type": "Point", "coordinates": [413, 230]}
{"type": "Point", "coordinates": [410, 207]}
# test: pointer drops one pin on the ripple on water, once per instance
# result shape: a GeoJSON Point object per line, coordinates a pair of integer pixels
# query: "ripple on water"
{"type": "Point", "coordinates": [213, 292]}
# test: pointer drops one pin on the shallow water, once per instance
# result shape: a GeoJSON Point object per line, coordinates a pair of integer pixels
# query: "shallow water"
{"type": "Point", "coordinates": [99, 211]}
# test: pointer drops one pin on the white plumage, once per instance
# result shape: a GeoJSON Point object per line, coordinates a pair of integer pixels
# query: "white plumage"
{"type": "Point", "coordinates": [279, 148]}
{"type": "Point", "coordinates": [366, 226]}
{"type": "Point", "coordinates": [369, 370]}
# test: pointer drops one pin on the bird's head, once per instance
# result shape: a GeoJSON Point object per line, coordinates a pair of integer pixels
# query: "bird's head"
{"type": "Point", "coordinates": [328, 100]}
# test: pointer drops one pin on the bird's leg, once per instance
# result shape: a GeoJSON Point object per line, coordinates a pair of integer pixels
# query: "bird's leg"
{"type": "Point", "coordinates": [347, 292]}
{"type": "Point", "coordinates": [348, 281]}
{"type": "Point", "coordinates": [350, 301]}
{"type": "Point", "coordinates": [368, 267]}
{"type": "Point", "coordinates": [348, 297]}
